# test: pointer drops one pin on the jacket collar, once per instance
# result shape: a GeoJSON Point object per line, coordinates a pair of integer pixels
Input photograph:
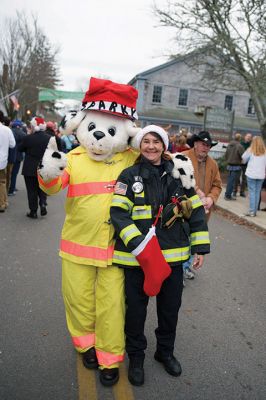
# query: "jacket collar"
{"type": "Point", "coordinates": [147, 169]}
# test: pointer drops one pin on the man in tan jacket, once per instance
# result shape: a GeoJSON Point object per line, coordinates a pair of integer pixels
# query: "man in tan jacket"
{"type": "Point", "coordinates": [207, 176]}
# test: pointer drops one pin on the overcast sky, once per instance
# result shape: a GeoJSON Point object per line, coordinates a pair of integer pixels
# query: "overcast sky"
{"type": "Point", "coordinates": [115, 39]}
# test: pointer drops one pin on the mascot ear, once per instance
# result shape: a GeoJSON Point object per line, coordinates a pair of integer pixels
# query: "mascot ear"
{"type": "Point", "coordinates": [132, 131]}
{"type": "Point", "coordinates": [71, 121]}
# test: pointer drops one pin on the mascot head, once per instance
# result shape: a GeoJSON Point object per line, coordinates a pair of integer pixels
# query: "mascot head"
{"type": "Point", "coordinates": [105, 122]}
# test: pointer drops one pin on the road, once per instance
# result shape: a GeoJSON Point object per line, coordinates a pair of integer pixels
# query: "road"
{"type": "Point", "coordinates": [221, 331]}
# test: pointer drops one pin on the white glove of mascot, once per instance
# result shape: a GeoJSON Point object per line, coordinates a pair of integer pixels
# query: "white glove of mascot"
{"type": "Point", "coordinates": [53, 163]}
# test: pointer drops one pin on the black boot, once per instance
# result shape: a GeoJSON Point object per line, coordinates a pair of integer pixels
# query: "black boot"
{"type": "Point", "coordinates": [89, 359]}
{"type": "Point", "coordinates": [43, 210]}
{"type": "Point", "coordinates": [170, 363]}
{"type": "Point", "coordinates": [109, 376]}
{"type": "Point", "coordinates": [32, 214]}
{"type": "Point", "coordinates": [136, 371]}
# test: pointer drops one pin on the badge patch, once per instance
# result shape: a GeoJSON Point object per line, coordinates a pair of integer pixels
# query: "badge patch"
{"type": "Point", "coordinates": [138, 179]}
{"type": "Point", "coordinates": [120, 188]}
{"type": "Point", "coordinates": [137, 187]}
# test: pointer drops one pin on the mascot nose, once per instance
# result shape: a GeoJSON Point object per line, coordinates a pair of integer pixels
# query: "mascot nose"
{"type": "Point", "coordinates": [98, 135]}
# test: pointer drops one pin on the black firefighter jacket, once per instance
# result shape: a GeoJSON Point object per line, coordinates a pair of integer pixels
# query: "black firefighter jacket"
{"type": "Point", "coordinates": [133, 212]}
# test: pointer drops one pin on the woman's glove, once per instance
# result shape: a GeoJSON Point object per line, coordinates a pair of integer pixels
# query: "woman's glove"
{"type": "Point", "coordinates": [180, 207]}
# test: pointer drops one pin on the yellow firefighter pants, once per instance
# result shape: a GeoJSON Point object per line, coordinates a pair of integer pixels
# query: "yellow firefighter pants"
{"type": "Point", "coordinates": [95, 310]}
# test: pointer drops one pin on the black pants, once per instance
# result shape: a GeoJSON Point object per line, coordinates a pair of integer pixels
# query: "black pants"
{"type": "Point", "coordinates": [34, 193]}
{"type": "Point", "coordinates": [168, 302]}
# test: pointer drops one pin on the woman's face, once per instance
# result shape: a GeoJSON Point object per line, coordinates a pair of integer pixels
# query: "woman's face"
{"type": "Point", "coordinates": [151, 147]}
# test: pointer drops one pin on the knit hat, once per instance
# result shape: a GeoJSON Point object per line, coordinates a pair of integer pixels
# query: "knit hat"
{"type": "Point", "coordinates": [152, 129]}
{"type": "Point", "coordinates": [115, 98]}
{"type": "Point", "coordinates": [16, 123]}
{"type": "Point", "coordinates": [38, 124]}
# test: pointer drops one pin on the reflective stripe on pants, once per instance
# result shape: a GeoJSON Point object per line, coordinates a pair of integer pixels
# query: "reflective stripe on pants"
{"type": "Point", "coordinates": [95, 308]}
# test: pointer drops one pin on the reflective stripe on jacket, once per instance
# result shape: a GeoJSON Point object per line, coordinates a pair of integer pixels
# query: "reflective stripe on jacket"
{"type": "Point", "coordinates": [132, 214]}
{"type": "Point", "coordinates": [87, 235]}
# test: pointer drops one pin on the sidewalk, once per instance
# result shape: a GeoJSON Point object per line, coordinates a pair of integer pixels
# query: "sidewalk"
{"type": "Point", "coordinates": [240, 206]}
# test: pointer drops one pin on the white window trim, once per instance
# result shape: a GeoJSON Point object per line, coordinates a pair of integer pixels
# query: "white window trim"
{"type": "Point", "coordinates": [178, 96]}
{"type": "Point", "coordinates": [156, 102]}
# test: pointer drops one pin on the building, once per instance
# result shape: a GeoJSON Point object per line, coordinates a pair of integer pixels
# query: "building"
{"type": "Point", "coordinates": [177, 93]}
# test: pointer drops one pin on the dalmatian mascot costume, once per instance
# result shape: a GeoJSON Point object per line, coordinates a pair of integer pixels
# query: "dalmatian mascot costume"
{"type": "Point", "coordinates": [93, 289]}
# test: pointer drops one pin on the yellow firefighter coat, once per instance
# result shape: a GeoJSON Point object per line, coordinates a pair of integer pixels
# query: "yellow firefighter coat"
{"type": "Point", "coordinates": [87, 235]}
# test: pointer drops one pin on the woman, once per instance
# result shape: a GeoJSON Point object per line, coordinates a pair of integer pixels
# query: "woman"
{"type": "Point", "coordinates": [255, 157]}
{"type": "Point", "coordinates": [139, 193]}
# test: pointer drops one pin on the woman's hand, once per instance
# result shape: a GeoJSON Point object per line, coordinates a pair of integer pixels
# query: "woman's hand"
{"type": "Point", "coordinates": [198, 261]}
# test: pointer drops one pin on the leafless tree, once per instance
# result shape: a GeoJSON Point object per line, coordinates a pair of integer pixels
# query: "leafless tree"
{"type": "Point", "coordinates": [233, 32]}
{"type": "Point", "coordinates": [28, 61]}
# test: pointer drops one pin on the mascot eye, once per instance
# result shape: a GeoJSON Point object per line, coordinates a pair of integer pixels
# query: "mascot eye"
{"type": "Point", "coordinates": [112, 130]}
{"type": "Point", "coordinates": [91, 126]}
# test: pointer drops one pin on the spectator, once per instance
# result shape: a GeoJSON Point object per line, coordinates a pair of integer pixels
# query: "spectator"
{"type": "Point", "coordinates": [206, 170]}
{"type": "Point", "coordinates": [207, 176]}
{"type": "Point", "coordinates": [262, 189]}
{"type": "Point", "coordinates": [19, 134]}
{"type": "Point", "coordinates": [242, 179]}
{"type": "Point", "coordinates": [50, 128]}
{"type": "Point", "coordinates": [172, 143]}
{"type": "Point", "coordinates": [182, 144]}
{"type": "Point", "coordinates": [7, 141]}
{"type": "Point", "coordinates": [11, 158]}
{"type": "Point", "coordinates": [60, 142]}
{"type": "Point", "coordinates": [34, 146]}
{"type": "Point", "coordinates": [255, 157]}
{"type": "Point", "coordinates": [70, 142]}
{"type": "Point", "coordinates": [233, 157]}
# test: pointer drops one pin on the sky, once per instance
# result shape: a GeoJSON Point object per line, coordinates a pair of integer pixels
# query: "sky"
{"type": "Point", "coordinates": [108, 39]}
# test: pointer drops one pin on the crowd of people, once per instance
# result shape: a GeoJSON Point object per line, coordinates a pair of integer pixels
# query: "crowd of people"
{"type": "Point", "coordinates": [246, 165]}
{"type": "Point", "coordinates": [22, 144]}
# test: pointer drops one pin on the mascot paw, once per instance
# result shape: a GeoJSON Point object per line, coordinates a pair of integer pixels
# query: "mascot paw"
{"type": "Point", "coordinates": [183, 169]}
{"type": "Point", "coordinates": [53, 163]}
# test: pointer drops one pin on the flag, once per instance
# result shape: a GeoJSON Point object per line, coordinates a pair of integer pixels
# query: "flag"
{"type": "Point", "coordinates": [15, 102]}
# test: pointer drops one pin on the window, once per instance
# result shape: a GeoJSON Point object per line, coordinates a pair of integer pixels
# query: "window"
{"type": "Point", "coordinates": [183, 96]}
{"type": "Point", "coordinates": [251, 109]}
{"type": "Point", "coordinates": [228, 103]}
{"type": "Point", "coordinates": [157, 94]}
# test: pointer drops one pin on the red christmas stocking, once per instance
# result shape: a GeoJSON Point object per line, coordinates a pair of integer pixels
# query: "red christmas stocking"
{"type": "Point", "coordinates": [152, 262]}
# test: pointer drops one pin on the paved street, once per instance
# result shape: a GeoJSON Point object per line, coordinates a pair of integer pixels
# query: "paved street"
{"type": "Point", "coordinates": [221, 332]}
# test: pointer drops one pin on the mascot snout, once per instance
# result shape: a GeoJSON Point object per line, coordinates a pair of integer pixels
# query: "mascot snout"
{"type": "Point", "coordinates": [98, 135]}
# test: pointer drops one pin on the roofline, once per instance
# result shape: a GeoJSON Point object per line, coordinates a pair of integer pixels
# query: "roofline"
{"type": "Point", "coordinates": [177, 59]}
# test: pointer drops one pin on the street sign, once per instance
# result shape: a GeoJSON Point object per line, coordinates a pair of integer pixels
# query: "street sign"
{"type": "Point", "coordinates": [46, 94]}
{"type": "Point", "coordinates": [219, 119]}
